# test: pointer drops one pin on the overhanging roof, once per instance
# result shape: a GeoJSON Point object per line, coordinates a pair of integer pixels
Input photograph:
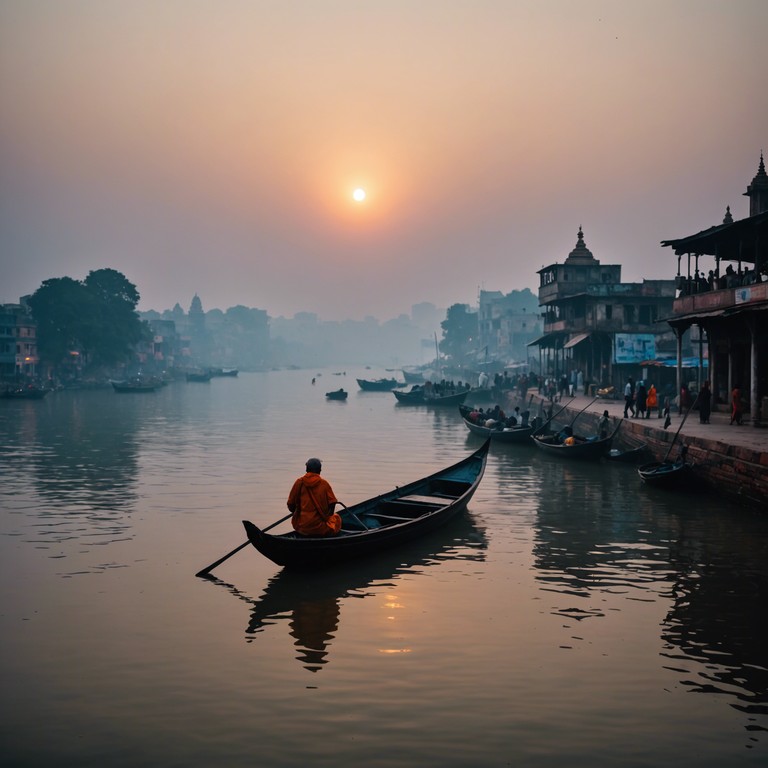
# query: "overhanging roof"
{"type": "Point", "coordinates": [741, 240]}
{"type": "Point", "coordinates": [577, 339]}
{"type": "Point", "coordinates": [547, 340]}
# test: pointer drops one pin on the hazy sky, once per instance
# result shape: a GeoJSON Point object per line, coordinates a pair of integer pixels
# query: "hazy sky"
{"type": "Point", "coordinates": [213, 146]}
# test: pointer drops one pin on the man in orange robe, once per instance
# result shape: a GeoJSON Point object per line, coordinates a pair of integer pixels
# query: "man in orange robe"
{"type": "Point", "coordinates": [311, 502]}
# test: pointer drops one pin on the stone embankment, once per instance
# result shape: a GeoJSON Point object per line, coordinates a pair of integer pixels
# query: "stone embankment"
{"type": "Point", "coordinates": [729, 459]}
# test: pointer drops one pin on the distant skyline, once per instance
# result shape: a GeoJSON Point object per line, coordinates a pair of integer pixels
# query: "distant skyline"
{"type": "Point", "coordinates": [215, 148]}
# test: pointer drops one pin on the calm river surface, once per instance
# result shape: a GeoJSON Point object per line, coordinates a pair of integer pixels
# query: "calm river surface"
{"type": "Point", "coordinates": [572, 617]}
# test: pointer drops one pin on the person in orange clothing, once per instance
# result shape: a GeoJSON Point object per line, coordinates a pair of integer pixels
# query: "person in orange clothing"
{"type": "Point", "coordinates": [651, 401]}
{"type": "Point", "coordinates": [312, 503]}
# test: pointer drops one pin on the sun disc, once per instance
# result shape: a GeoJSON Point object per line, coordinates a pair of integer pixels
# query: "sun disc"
{"type": "Point", "coordinates": [359, 195]}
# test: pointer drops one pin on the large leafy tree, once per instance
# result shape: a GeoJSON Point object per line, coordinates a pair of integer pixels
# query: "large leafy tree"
{"type": "Point", "coordinates": [96, 316]}
{"type": "Point", "coordinates": [460, 331]}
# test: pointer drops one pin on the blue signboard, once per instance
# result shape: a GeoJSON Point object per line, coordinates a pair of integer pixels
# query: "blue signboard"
{"type": "Point", "coordinates": [633, 347]}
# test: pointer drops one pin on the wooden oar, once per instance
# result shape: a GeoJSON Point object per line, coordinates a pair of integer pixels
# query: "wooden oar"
{"type": "Point", "coordinates": [539, 430]}
{"type": "Point", "coordinates": [207, 570]}
{"type": "Point", "coordinates": [690, 408]}
{"type": "Point", "coordinates": [581, 411]}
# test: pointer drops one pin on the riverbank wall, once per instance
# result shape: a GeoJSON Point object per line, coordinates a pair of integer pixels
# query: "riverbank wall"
{"type": "Point", "coordinates": [727, 459]}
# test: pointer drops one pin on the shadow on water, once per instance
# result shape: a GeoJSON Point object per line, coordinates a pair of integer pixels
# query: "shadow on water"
{"type": "Point", "coordinates": [312, 604]}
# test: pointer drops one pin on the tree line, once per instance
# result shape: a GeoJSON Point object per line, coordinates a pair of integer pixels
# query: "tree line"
{"type": "Point", "coordinates": [96, 316]}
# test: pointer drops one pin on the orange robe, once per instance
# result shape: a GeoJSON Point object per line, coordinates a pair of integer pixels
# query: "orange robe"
{"type": "Point", "coordinates": [310, 502]}
{"type": "Point", "coordinates": [651, 401]}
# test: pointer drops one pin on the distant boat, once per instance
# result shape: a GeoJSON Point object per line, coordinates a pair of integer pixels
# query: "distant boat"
{"type": "Point", "coordinates": [377, 385]}
{"type": "Point", "coordinates": [30, 392]}
{"type": "Point", "coordinates": [219, 372]}
{"type": "Point", "coordinates": [338, 394]}
{"type": "Point", "coordinates": [417, 395]}
{"type": "Point", "coordinates": [136, 384]}
{"type": "Point", "coordinates": [413, 377]}
{"type": "Point", "coordinates": [199, 376]}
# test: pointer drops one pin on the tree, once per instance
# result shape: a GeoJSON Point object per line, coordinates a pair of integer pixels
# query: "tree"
{"type": "Point", "coordinates": [460, 330]}
{"type": "Point", "coordinates": [96, 317]}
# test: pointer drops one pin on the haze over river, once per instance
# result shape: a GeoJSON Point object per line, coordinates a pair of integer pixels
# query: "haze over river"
{"type": "Point", "coordinates": [572, 617]}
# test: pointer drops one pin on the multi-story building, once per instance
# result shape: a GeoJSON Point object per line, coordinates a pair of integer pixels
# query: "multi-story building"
{"type": "Point", "coordinates": [18, 342]}
{"type": "Point", "coordinates": [729, 306]}
{"type": "Point", "coordinates": [598, 326]}
{"type": "Point", "coordinates": [505, 329]}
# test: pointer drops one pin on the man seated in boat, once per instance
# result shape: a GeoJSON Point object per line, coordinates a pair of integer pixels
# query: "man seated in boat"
{"type": "Point", "coordinates": [312, 503]}
{"type": "Point", "coordinates": [564, 434]}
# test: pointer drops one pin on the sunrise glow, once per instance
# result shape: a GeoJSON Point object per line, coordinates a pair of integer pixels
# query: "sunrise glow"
{"type": "Point", "coordinates": [358, 195]}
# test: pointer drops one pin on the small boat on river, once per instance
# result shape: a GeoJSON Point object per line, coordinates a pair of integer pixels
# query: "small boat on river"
{"type": "Point", "coordinates": [667, 474]}
{"type": "Point", "coordinates": [520, 435]}
{"type": "Point", "coordinates": [30, 392]}
{"type": "Point", "coordinates": [418, 395]}
{"type": "Point", "coordinates": [199, 376]}
{"type": "Point", "coordinates": [585, 448]}
{"type": "Point", "coordinates": [382, 522]}
{"type": "Point", "coordinates": [136, 384]}
{"type": "Point", "coordinates": [378, 385]}
{"type": "Point", "coordinates": [337, 394]}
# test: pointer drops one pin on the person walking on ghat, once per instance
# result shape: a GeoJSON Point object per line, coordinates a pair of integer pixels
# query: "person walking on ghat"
{"type": "Point", "coordinates": [651, 401]}
{"type": "Point", "coordinates": [629, 398]}
{"type": "Point", "coordinates": [705, 403]}
{"type": "Point", "coordinates": [736, 409]}
{"type": "Point", "coordinates": [312, 503]}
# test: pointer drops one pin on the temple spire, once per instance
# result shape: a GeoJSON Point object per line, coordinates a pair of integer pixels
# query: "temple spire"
{"type": "Point", "coordinates": [757, 191]}
{"type": "Point", "coordinates": [580, 254]}
{"type": "Point", "coordinates": [728, 218]}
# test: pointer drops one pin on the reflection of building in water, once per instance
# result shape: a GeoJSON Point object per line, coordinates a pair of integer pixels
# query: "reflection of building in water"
{"type": "Point", "coordinates": [595, 538]}
{"type": "Point", "coordinates": [312, 601]}
{"type": "Point", "coordinates": [718, 615]}
{"type": "Point", "coordinates": [80, 453]}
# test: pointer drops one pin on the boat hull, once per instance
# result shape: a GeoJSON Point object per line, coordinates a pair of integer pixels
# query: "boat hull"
{"type": "Point", "coordinates": [666, 474]}
{"type": "Point", "coordinates": [382, 522]}
{"type": "Point", "coordinates": [590, 450]}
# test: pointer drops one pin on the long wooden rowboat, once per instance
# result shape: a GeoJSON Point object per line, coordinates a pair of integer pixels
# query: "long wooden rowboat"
{"type": "Point", "coordinates": [381, 522]}
{"type": "Point", "coordinates": [590, 450]}
{"type": "Point", "coordinates": [417, 396]}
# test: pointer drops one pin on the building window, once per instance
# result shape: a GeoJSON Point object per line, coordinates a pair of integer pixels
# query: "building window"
{"type": "Point", "coordinates": [629, 313]}
{"type": "Point", "coordinates": [609, 311]}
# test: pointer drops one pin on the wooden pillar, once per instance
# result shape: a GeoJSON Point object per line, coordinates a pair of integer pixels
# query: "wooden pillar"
{"type": "Point", "coordinates": [754, 392]}
{"type": "Point", "coordinates": [679, 370]}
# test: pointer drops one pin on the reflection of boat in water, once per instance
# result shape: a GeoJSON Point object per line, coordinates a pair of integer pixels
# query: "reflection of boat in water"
{"type": "Point", "coordinates": [311, 604]}
{"type": "Point", "coordinates": [390, 519]}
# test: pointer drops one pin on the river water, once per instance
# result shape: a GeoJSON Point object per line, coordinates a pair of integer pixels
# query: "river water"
{"type": "Point", "coordinates": [572, 617]}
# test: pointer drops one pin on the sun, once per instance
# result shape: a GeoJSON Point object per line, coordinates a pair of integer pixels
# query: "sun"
{"type": "Point", "coordinates": [358, 195]}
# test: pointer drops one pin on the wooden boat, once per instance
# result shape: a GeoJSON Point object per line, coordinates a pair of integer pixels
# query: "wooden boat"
{"type": "Point", "coordinates": [417, 396]}
{"type": "Point", "coordinates": [29, 392]}
{"type": "Point", "coordinates": [337, 394]}
{"type": "Point", "coordinates": [136, 384]}
{"type": "Point", "coordinates": [413, 377]}
{"type": "Point", "coordinates": [377, 385]}
{"type": "Point", "coordinates": [382, 522]}
{"type": "Point", "coordinates": [584, 448]}
{"type": "Point", "coordinates": [199, 376]}
{"type": "Point", "coordinates": [628, 455]}
{"type": "Point", "coordinates": [513, 435]}
{"type": "Point", "coordinates": [668, 474]}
